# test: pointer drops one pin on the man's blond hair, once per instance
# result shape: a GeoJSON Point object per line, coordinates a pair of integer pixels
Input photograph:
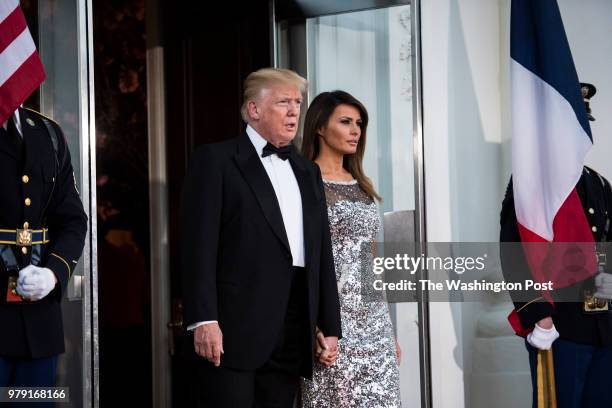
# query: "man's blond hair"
{"type": "Point", "coordinates": [265, 78]}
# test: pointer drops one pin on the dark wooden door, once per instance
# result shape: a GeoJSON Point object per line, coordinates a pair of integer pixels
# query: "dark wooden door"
{"type": "Point", "coordinates": [209, 52]}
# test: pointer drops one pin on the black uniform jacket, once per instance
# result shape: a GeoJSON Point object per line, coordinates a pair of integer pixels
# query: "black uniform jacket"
{"type": "Point", "coordinates": [34, 171]}
{"type": "Point", "coordinates": [236, 256]}
{"type": "Point", "coordinates": [569, 319]}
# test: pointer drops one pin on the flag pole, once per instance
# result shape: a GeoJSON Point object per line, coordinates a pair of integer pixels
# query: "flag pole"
{"type": "Point", "coordinates": [547, 393]}
{"type": "Point", "coordinates": [550, 370]}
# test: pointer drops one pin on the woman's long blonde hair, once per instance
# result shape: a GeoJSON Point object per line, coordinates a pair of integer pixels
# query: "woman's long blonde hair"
{"type": "Point", "coordinates": [320, 110]}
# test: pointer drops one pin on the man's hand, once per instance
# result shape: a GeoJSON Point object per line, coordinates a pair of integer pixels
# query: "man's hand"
{"type": "Point", "coordinates": [603, 283]}
{"type": "Point", "coordinates": [326, 349]}
{"type": "Point", "coordinates": [34, 283]}
{"type": "Point", "coordinates": [208, 342]}
{"type": "Point", "coordinates": [543, 334]}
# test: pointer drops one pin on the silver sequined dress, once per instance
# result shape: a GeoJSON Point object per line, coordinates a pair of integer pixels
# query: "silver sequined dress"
{"type": "Point", "coordinates": [365, 374]}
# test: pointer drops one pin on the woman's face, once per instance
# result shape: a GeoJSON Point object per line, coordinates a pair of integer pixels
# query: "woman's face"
{"type": "Point", "coordinates": [343, 130]}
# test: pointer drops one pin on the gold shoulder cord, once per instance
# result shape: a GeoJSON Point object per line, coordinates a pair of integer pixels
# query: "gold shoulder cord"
{"type": "Point", "coordinates": [528, 303]}
{"type": "Point", "coordinates": [64, 261]}
{"type": "Point", "coordinates": [41, 114]}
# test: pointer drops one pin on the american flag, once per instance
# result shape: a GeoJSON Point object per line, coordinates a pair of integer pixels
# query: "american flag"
{"type": "Point", "coordinates": [21, 70]}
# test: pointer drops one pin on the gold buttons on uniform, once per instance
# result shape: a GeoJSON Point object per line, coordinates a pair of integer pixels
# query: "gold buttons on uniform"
{"type": "Point", "coordinates": [27, 202]}
{"type": "Point", "coordinates": [24, 250]}
{"type": "Point", "coordinates": [591, 211]}
{"type": "Point", "coordinates": [25, 179]}
{"type": "Point", "coordinates": [594, 228]}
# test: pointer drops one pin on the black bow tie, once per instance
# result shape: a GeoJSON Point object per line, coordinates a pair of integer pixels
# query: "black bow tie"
{"type": "Point", "coordinates": [283, 153]}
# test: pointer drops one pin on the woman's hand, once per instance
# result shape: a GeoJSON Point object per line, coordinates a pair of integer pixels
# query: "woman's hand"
{"type": "Point", "coordinates": [325, 352]}
{"type": "Point", "coordinates": [398, 351]}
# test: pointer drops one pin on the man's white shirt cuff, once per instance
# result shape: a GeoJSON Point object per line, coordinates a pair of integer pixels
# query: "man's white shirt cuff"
{"type": "Point", "coordinates": [195, 325]}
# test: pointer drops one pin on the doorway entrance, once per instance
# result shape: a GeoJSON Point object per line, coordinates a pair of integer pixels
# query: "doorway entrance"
{"type": "Point", "coordinates": [370, 52]}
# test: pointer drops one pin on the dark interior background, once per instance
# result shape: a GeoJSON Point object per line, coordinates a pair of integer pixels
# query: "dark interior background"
{"type": "Point", "coordinates": [209, 51]}
{"type": "Point", "coordinates": [122, 192]}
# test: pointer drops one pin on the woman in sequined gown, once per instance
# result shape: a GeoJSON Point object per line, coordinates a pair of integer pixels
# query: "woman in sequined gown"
{"type": "Point", "coordinates": [365, 373]}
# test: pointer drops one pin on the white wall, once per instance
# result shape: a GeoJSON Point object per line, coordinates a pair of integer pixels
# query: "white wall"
{"type": "Point", "coordinates": [588, 24]}
{"type": "Point", "coordinates": [467, 164]}
{"type": "Point", "coordinates": [467, 161]}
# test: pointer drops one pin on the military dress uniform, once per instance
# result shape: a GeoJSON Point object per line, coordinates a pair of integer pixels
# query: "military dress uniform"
{"type": "Point", "coordinates": [42, 222]}
{"type": "Point", "coordinates": [583, 352]}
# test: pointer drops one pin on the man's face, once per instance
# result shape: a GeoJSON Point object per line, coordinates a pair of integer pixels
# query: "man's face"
{"type": "Point", "coordinates": [276, 113]}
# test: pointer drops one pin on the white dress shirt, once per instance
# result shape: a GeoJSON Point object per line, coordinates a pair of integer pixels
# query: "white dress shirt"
{"type": "Point", "coordinates": [17, 122]}
{"type": "Point", "coordinates": [289, 199]}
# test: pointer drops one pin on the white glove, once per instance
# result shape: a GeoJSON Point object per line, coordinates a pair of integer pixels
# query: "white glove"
{"type": "Point", "coordinates": [35, 283]}
{"type": "Point", "coordinates": [603, 284]}
{"type": "Point", "coordinates": [542, 339]}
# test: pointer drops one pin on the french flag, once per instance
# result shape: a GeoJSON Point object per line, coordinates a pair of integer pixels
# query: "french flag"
{"type": "Point", "coordinates": [550, 139]}
{"type": "Point", "coordinates": [21, 70]}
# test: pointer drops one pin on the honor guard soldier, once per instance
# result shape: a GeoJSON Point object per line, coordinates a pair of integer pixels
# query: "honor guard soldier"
{"type": "Point", "coordinates": [581, 330]}
{"type": "Point", "coordinates": [42, 233]}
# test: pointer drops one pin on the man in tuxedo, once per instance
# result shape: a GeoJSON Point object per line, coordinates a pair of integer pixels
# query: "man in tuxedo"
{"type": "Point", "coordinates": [258, 271]}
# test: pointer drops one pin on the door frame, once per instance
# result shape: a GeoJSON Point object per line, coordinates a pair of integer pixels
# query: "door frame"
{"type": "Point", "coordinates": [161, 366]}
{"type": "Point", "coordinates": [161, 302]}
{"type": "Point", "coordinates": [85, 286]}
{"type": "Point", "coordinates": [420, 204]}
{"type": "Point", "coordinates": [91, 346]}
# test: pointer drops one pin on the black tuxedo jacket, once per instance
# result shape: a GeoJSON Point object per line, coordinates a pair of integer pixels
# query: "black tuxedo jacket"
{"type": "Point", "coordinates": [236, 257]}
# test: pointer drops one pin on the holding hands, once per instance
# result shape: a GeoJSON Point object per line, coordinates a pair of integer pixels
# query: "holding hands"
{"type": "Point", "coordinates": [326, 350]}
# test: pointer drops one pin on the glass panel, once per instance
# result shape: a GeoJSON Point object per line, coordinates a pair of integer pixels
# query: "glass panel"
{"type": "Point", "coordinates": [369, 55]}
{"type": "Point", "coordinates": [60, 93]}
{"type": "Point", "coordinates": [476, 358]}
{"type": "Point", "coordinates": [122, 192]}
{"type": "Point", "coordinates": [60, 99]}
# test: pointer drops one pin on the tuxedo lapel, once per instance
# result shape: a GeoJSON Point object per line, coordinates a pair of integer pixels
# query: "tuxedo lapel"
{"type": "Point", "coordinates": [309, 201]}
{"type": "Point", "coordinates": [254, 173]}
